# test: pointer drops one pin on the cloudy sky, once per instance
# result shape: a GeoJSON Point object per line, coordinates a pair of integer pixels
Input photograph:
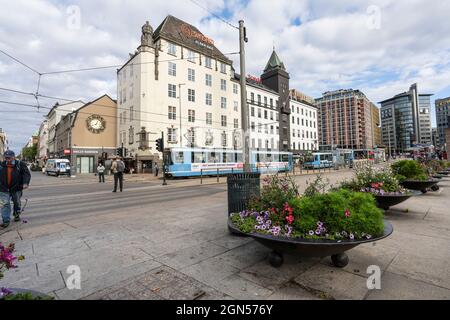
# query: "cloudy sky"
{"type": "Point", "coordinates": [380, 46]}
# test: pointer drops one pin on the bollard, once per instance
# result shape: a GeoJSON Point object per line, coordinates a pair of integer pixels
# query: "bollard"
{"type": "Point", "coordinates": [201, 176]}
{"type": "Point", "coordinates": [217, 175]}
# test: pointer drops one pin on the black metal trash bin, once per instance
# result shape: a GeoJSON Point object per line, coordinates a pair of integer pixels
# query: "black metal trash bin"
{"type": "Point", "coordinates": [241, 188]}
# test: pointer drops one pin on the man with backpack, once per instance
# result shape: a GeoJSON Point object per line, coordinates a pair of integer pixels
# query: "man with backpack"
{"type": "Point", "coordinates": [117, 168]}
{"type": "Point", "coordinates": [14, 177]}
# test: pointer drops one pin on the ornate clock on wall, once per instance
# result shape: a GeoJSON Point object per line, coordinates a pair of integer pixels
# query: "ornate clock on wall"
{"type": "Point", "coordinates": [95, 123]}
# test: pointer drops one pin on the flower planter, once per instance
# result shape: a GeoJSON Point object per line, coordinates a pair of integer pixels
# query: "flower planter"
{"type": "Point", "coordinates": [419, 185]}
{"type": "Point", "coordinates": [444, 173]}
{"type": "Point", "coordinates": [35, 294]}
{"type": "Point", "coordinates": [310, 248]}
{"type": "Point", "coordinates": [388, 200]}
{"type": "Point", "coordinates": [437, 176]}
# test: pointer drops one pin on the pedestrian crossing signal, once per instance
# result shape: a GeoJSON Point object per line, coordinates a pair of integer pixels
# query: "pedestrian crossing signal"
{"type": "Point", "coordinates": [160, 144]}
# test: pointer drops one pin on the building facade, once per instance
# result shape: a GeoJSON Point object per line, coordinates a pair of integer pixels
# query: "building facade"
{"type": "Point", "coordinates": [3, 143]}
{"type": "Point", "coordinates": [442, 120]}
{"type": "Point", "coordinates": [53, 118]}
{"type": "Point", "coordinates": [88, 135]}
{"type": "Point", "coordinates": [376, 126]}
{"type": "Point", "coordinates": [406, 120]}
{"type": "Point", "coordinates": [304, 126]}
{"type": "Point", "coordinates": [43, 143]}
{"type": "Point", "coordinates": [345, 120]}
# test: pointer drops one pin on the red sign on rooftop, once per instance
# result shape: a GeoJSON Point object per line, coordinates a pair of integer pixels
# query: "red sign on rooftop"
{"type": "Point", "coordinates": [253, 78]}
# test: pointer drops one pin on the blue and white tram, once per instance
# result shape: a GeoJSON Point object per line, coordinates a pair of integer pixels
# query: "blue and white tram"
{"type": "Point", "coordinates": [319, 160]}
{"type": "Point", "coordinates": [187, 162]}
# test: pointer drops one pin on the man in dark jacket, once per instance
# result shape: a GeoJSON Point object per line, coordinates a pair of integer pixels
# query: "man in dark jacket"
{"type": "Point", "coordinates": [14, 177]}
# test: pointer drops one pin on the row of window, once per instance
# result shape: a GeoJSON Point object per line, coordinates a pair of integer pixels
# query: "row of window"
{"type": "Point", "coordinates": [309, 134]}
{"type": "Point", "coordinates": [123, 94]}
{"type": "Point", "coordinates": [266, 102]}
{"type": "Point", "coordinates": [193, 57]}
{"type": "Point", "coordinates": [172, 137]}
{"type": "Point", "coordinates": [273, 144]}
{"type": "Point", "coordinates": [123, 116]}
{"type": "Point", "coordinates": [312, 114]}
{"type": "Point", "coordinates": [266, 127]}
{"type": "Point", "coordinates": [266, 114]}
{"type": "Point", "coordinates": [309, 123]}
{"type": "Point", "coordinates": [306, 146]}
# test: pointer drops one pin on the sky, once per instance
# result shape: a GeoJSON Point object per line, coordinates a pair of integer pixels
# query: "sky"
{"type": "Point", "coordinates": [380, 47]}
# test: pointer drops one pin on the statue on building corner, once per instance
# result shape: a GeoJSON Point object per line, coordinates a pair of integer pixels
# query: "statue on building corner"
{"type": "Point", "coordinates": [147, 35]}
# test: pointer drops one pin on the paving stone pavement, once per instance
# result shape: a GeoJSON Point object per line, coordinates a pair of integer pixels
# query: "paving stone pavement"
{"type": "Point", "coordinates": [184, 251]}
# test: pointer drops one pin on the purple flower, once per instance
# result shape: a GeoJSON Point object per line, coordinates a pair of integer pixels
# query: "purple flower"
{"type": "Point", "coordinates": [352, 237]}
{"type": "Point", "coordinates": [268, 222]}
{"type": "Point", "coordinates": [369, 236]}
{"type": "Point", "coordinates": [318, 232]}
{"type": "Point", "coordinates": [311, 233]}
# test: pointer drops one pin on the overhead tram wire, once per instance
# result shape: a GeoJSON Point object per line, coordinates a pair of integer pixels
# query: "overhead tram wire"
{"type": "Point", "coordinates": [215, 15]}
{"type": "Point", "coordinates": [116, 117]}
{"type": "Point", "coordinates": [97, 104]}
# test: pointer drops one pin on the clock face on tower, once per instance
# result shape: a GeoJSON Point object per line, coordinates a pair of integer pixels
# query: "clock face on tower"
{"type": "Point", "coordinates": [95, 123]}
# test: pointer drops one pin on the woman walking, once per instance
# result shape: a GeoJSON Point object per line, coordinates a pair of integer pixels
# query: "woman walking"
{"type": "Point", "coordinates": [101, 172]}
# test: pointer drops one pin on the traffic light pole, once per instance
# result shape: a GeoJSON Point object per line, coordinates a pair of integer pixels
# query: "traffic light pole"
{"type": "Point", "coordinates": [164, 160]}
{"type": "Point", "coordinates": [244, 107]}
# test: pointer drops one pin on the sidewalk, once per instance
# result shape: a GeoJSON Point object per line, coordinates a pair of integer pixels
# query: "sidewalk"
{"type": "Point", "coordinates": [183, 250]}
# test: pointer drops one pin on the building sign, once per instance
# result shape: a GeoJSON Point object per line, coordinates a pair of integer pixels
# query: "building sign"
{"type": "Point", "coordinates": [188, 32]}
{"type": "Point", "coordinates": [66, 151]}
{"type": "Point", "coordinates": [253, 78]}
{"type": "Point", "coordinates": [85, 151]}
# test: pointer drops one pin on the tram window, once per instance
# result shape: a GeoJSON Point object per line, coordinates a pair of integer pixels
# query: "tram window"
{"type": "Point", "coordinates": [224, 157]}
{"type": "Point", "coordinates": [239, 157]}
{"type": "Point", "coordinates": [213, 157]}
{"type": "Point", "coordinates": [269, 157]}
{"type": "Point", "coordinates": [178, 157]}
{"type": "Point", "coordinates": [198, 157]}
{"type": "Point", "coordinates": [284, 158]}
{"type": "Point", "coordinates": [258, 158]}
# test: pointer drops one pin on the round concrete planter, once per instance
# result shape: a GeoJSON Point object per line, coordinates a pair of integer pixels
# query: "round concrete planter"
{"type": "Point", "coordinates": [387, 201]}
{"type": "Point", "coordinates": [419, 185]}
{"type": "Point", "coordinates": [444, 173]}
{"type": "Point", "coordinates": [311, 248]}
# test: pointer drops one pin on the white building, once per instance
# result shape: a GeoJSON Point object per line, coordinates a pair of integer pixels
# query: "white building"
{"type": "Point", "coordinates": [54, 116]}
{"type": "Point", "coordinates": [177, 83]}
{"type": "Point", "coordinates": [3, 143]}
{"type": "Point", "coordinates": [43, 142]}
{"type": "Point", "coordinates": [304, 127]}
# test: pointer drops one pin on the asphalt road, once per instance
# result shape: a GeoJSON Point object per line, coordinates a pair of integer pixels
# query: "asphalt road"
{"type": "Point", "coordinates": [52, 199]}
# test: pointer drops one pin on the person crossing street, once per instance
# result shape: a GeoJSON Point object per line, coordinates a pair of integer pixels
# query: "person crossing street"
{"type": "Point", "coordinates": [14, 178]}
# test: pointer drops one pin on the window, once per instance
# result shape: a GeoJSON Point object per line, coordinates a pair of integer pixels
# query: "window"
{"type": "Point", "coordinates": [172, 49]}
{"type": "Point", "coordinates": [223, 67]}
{"type": "Point", "coordinates": [293, 120]}
{"type": "Point", "coordinates": [223, 85]}
{"type": "Point", "coordinates": [252, 97]}
{"type": "Point", "coordinates": [253, 126]}
{"type": "Point", "coordinates": [191, 115]}
{"type": "Point", "coordinates": [224, 139]}
{"type": "Point", "coordinates": [259, 99]}
{"type": "Point", "coordinates": [271, 102]}
{"type": "Point", "coordinates": [271, 115]}
{"type": "Point", "coordinates": [124, 94]}
{"type": "Point", "coordinates": [252, 111]}
{"type": "Point", "coordinates": [259, 143]}
{"type": "Point", "coordinates": [236, 106]}
{"type": "Point", "coordinates": [171, 135]}
{"type": "Point", "coordinates": [271, 131]}
{"type": "Point", "coordinates": [131, 135]}
{"type": "Point", "coordinates": [224, 121]}
{"type": "Point", "coordinates": [259, 128]}
{"type": "Point", "coordinates": [209, 99]}
{"type": "Point", "coordinates": [223, 102]}
{"type": "Point", "coordinates": [191, 95]}
{"type": "Point", "coordinates": [208, 62]}
{"type": "Point", "coordinates": [266, 128]}
{"type": "Point", "coordinates": [172, 113]}
{"type": "Point", "coordinates": [209, 118]}
{"type": "Point", "coordinates": [172, 69]}
{"type": "Point", "coordinates": [265, 114]}
{"type": "Point", "coordinates": [265, 101]}
{"type": "Point", "coordinates": [191, 75]}
{"type": "Point", "coordinates": [235, 88]}
{"type": "Point", "coordinates": [191, 56]}
{"type": "Point", "coordinates": [131, 113]}
{"type": "Point", "coordinates": [259, 113]}
{"type": "Point", "coordinates": [191, 139]}
{"type": "Point", "coordinates": [208, 80]}
{"type": "Point", "coordinates": [236, 123]}
{"type": "Point", "coordinates": [131, 91]}
{"type": "Point", "coordinates": [172, 91]}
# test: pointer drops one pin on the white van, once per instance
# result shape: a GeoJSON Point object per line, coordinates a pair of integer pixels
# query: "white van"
{"type": "Point", "coordinates": [57, 167]}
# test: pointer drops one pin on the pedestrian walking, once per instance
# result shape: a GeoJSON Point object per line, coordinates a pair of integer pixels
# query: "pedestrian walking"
{"type": "Point", "coordinates": [14, 178]}
{"type": "Point", "coordinates": [117, 168]}
{"type": "Point", "coordinates": [156, 170]}
{"type": "Point", "coordinates": [101, 172]}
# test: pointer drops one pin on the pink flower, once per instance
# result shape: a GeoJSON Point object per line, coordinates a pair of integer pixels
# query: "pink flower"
{"type": "Point", "coordinates": [347, 213]}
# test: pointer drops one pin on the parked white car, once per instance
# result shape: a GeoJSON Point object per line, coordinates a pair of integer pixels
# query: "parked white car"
{"type": "Point", "coordinates": [57, 167]}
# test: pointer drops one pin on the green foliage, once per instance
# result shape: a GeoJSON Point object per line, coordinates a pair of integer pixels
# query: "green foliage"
{"type": "Point", "coordinates": [369, 177]}
{"type": "Point", "coordinates": [29, 153]}
{"type": "Point", "coordinates": [409, 170]}
{"type": "Point", "coordinates": [277, 190]}
{"type": "Point", "coordinates": [316, 187]}
{"type": "Point", "coordinates": [245, 225]}
{"type": "Point", "coordinates": [26, 296]}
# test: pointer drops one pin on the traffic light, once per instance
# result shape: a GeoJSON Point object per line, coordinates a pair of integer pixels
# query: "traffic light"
{"type": "Point", "coordinates": [119, 152]}
{"type": "Point", "coordinates": [160, 144]}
